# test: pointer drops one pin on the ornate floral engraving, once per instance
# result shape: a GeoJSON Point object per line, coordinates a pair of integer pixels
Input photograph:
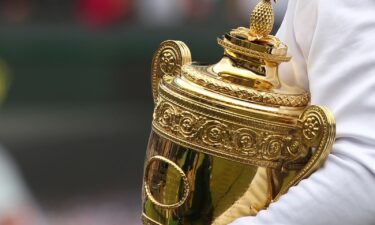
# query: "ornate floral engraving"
{"type": "Point", "coordinates": [166, 115]}
{"type": "Point", "coordinates": [168, 62]}
{"type": "Point", "coordinates": [294, 147]}
{"type": "Point", "coordinates": [311, 127]}
{"type": "Point", "coordinates": [188, 124]}
{"type": "Point", "coordinates": [245, 141]}
{"type": "Point", "coordinates": [273, 146]}
{"type": "Point", "coordinates": [252, 144]}
{"type": "Point", "coordinates": [215, 133]}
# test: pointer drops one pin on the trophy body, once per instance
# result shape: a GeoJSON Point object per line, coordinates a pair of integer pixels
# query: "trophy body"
{"type": "Point", "coordinates": [230, 138]}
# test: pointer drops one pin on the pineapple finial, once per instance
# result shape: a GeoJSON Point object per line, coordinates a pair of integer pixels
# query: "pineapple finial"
{"type": "Point", "coordinates": [262, 19]}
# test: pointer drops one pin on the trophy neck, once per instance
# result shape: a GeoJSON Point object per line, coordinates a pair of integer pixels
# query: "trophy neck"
{"type": "Point", "coordinates": [254, 51]}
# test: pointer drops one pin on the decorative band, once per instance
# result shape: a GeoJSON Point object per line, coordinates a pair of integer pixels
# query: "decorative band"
{"type": "Point", "coordinates": [252, 53]}
{"type": "Point", "coordinates": [197, 76]}
{"type": "Point", "coordinates": [260, 144]}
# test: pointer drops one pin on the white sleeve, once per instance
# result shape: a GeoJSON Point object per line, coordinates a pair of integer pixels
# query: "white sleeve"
{"type": "Point", "coordinates": [333, 45]}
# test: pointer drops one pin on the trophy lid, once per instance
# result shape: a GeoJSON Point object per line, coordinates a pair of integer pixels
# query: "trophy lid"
{"type": "Point", "coordinates": [245, 79]}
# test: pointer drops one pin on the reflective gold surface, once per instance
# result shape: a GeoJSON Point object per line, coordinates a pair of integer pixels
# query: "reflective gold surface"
{"type": "Point", "coordinates": [229, 138]}
{"type": "Point", "coordinates": [214, 184]}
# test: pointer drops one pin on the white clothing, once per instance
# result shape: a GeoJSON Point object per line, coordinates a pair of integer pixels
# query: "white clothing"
{"type": "Point", "coordinates": [333, 47]}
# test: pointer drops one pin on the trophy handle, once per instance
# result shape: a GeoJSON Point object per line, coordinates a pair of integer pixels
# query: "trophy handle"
{"type": "Point", "coordinates": [318, 130]}
{"type": "Point", "coordinates": [167, 61]}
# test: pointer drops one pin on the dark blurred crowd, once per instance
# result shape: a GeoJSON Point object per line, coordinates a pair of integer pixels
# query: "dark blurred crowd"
{"type": "Point", "coordinates": [104, 13]}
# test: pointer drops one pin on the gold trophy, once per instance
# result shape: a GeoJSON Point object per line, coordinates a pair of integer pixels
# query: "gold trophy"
{"type": "Point", "coordinates": [229, 139]}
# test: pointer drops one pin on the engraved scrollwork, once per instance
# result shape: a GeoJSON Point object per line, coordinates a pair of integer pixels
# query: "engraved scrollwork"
{"type": "Point", "coordinates": [188, 124]}
{"type": "Point", "coordinates": [166, 115]}
{"type": "Point", "coordinates": [245, 141]}
{"type": "Point", "coordinates": [256, 145]}
{"type": "Point", "coordinates": [273, 146]}
{"type": "Point", "coordinates": [215, 133]}
{"type": "Point", "coordinates": [167, 61]}
{"type": "Point", "coordinates": [295, 149]}
{"type": "Point", "coordinates": [312, 127]}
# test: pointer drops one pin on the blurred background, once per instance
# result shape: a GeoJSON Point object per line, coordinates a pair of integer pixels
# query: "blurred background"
{"type": "Point", "coordinates": [77, 113]}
